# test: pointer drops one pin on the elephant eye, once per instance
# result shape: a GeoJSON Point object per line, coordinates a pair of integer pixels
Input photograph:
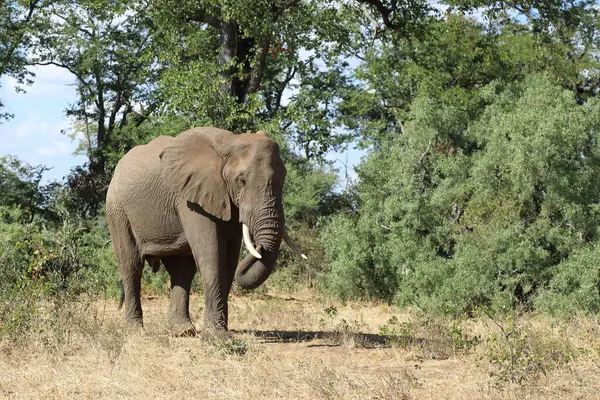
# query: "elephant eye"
{"type": "Point", "coordinates": [242, 181]}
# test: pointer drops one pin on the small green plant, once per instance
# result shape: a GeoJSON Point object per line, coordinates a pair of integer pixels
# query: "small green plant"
{"type": "Point", "coordinates": [434, 338]}
{"type": "Point", "coordinates": [232, 347]}
{"type": "Point", "coordinates": [460, 340]}
{"type": "Point", "coordinates": [398, 334]}
{"type": "Point", "coordinates": [518, 354]}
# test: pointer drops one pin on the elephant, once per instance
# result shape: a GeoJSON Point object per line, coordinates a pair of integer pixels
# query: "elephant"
{"type": "Point", "coordinates": [188, 202]}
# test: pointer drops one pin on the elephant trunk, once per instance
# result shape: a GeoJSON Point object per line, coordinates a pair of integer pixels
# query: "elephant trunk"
{"type": "Point", "coordinates": [251, 272]}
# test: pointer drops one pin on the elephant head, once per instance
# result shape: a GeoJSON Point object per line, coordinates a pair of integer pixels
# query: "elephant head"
{"type": "Point", "coordinates": [228, 176]}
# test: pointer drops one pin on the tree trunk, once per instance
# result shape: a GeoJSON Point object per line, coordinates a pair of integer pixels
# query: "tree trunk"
{"type": "Point", "coordinates": [236, 50]}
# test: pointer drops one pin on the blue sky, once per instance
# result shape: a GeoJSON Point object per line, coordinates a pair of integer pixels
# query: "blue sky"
{"type": "Point", "coordinates": [34, 135]}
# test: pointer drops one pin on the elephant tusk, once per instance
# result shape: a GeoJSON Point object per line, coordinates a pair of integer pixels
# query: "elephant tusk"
{"type": "Point", "coordinates": [290, 243]}
{"type": "Point", "coordinates": [248, 242]}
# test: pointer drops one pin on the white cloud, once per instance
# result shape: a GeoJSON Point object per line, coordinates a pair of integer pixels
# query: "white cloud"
{"type": "Point", "coordinates": [40, 141]}
{"type": "Point", "coordinates": [54, 82]}
{"type": "Point", "coordinates": [50, 82]}
{"type": "Point", "coordinates": [55, 149]}
{"type": "Point", "coordinates": [34, 129]}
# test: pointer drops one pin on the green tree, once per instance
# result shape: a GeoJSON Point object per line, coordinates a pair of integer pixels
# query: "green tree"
{"type": "Point", "coordinates": [450, 227]}
{"type": "Point", "coordinates": [247, 65]}
{"type": "Point", "coordinates": [456, 58]}
{"type": "Point", "coordinates": [17, 22]}
{"type": "Point", "coordinates": [21, 187]}
{"type": "Point", "coordinates": [107, 46]}
{"type": "Point", "coordinates": [428, 109]}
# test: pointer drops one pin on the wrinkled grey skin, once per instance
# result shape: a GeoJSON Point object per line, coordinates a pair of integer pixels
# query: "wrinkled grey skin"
{"type": "Point", "coordinates": [182, 201]}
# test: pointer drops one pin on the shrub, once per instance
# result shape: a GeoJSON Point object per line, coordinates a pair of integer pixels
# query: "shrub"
{"type": "Point", "coordinates": [575, 284]}
{"type": "Point", "coordinates": [459, 211]}
{"type": "Point", "coordinates": [40, 266]}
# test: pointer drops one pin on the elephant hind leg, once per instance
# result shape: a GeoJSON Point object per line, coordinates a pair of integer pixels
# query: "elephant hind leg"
{"type": "Point", "coordinates": [129, 261]}
{"type": "Point", "coordinates": [181, 270]}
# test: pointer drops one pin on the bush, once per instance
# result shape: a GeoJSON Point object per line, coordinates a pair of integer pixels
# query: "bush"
{"type": "Point", "coordinates": [41, 266]}
{"type": "Point", "coordinates": [457, 212]}
{"type": "Point", "coordinates": [575, 284]}
{"type": "Point", "coordinates": [356, 265]}
{"type": "Point", "coordinates": [292, 271]}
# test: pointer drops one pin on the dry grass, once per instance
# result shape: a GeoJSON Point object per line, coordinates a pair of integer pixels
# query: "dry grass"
{"type": "Point", "coordinates": [304, 347]}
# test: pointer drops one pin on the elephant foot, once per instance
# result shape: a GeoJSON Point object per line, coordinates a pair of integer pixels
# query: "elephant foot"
{"type": "Point", "coordinates": [183, 330]}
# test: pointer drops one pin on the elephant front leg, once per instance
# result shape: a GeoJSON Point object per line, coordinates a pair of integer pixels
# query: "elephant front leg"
{"type": "Point", "coordinates": [208, 239]}
{"type": "Point", "coordinates": [217, 277]}
{"type": "Point", "coordinates": [216, 283]}
{"type": "Point", "coordinates": [182, 271]}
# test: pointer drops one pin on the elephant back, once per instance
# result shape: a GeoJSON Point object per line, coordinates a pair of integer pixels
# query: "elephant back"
{"type": "Point", "coordinates": [139, 169]}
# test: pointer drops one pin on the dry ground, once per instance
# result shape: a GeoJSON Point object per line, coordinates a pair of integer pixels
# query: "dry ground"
{"type": "Point", "coordinates": [304, 347]}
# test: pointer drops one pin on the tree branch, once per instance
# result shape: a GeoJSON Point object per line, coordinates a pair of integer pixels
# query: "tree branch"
{"type": "Point", "coordinates": [147, 113]}
{"type": "Point", "coordinates": [288, 78]}
{"type": "Point", "coordinates": [117, 106]}
{"type": "Point", "coordinates": [375, 24]}
{"type": "Point", "coordinates": [382, 9]}
{"type": "Point", "coordinates": [79, 28]}
{"type": "Point", "coordinates": [46, 63]}
{"type": "Point", "coordinates": [203, 17]}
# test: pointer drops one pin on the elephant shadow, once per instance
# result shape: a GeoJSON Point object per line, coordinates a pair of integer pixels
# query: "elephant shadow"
{"type": "Point", "coordinates": [365, 340]}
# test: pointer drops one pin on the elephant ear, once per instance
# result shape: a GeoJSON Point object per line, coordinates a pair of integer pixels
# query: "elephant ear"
{"type": "Point", "coordinates": [192, 168]}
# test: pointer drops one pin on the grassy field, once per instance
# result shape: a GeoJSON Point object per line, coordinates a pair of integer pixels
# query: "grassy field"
{"type": "Point", "coordinates": [302, 346]}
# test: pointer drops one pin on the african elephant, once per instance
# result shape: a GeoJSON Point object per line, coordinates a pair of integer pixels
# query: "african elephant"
{"type": "Point", "coordinates": [186, 201]}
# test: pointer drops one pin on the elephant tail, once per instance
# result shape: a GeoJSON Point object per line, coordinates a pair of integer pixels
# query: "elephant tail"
{"type": "Point", "coordinates": [122, 298]}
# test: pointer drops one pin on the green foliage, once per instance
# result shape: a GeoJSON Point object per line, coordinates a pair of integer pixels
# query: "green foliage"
{"type": "Point", "coordinates": [20, 186]}
{"type": "Point", "coordinates": [312, 116]}
{"type": "Point", "coordinates": [49, 266]}
{"type": "Point", "coordinates": [351, 271]}
{"type": "Point", "coordinates": [456, 214]}
{"type": "Point", "coordinates": [574, 285]}
{"type": "Point", "coordinates": [551, 20]}
{"type": "Point", "coordinates": [398, 333]}
{"type": "Point", "coordinates": [292, 271]}
{"type": "Point", "coordinates": [18, 20]}
{"type": "Point", "coordinates": [307, 191]}
{"type": "Point", "coordinates": [233, 65]}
